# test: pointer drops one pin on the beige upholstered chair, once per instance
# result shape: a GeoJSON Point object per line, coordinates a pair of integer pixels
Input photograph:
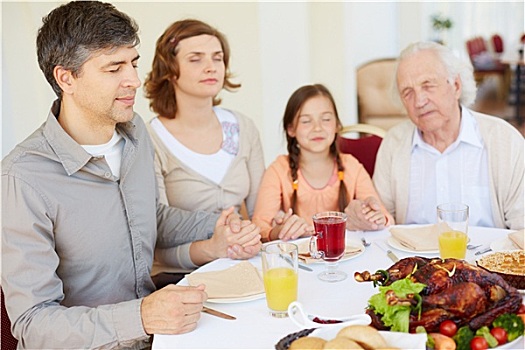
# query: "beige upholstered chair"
{"type": "Point", "coordinates": [375, 101]}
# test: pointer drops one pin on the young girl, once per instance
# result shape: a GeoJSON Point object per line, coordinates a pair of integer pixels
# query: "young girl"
{"type": "Point", "coordinates": [314, 177]}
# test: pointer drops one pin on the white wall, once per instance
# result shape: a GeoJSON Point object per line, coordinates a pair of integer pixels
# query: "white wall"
{"type": "Point", "coordinates": [276, 47]}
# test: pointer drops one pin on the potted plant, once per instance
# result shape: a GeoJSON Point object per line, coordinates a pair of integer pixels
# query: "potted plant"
{"type": "Point", "coordinates": [441, 24]}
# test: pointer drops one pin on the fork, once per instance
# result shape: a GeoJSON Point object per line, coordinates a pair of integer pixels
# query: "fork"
{"type": "Point", "coordinates": [365, 243]}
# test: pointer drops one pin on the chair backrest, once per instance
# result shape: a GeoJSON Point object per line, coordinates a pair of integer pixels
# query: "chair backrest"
{"type": "Point", "coordinates": [497, 43]}
{"type": "Point", "coordinates": [8, 341]}
{"type": "Point", "coordinates": [375, 101]}
{"type": "Point", "coordinates": [365, 146]}
{"type": "Point", "coordinates": [476, 46]}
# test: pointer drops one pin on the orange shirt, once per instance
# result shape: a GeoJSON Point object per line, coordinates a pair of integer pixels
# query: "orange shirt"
{"type": "Point", "coordinates": [276, 191]}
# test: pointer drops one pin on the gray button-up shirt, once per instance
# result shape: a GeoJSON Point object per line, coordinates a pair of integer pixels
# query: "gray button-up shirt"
{"type": "Point", "coordinates": [77, 242]}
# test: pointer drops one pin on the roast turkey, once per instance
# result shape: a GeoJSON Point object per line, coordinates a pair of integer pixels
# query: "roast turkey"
{"type": "Point", "coordinates": [455, 290]}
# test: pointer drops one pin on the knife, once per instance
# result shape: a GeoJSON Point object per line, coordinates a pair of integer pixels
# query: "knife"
{"type": "Point", "coordinates": [301, 266]}
{"type": "Point", "coordinates": [389, 253]}
{"type": "Point", "coordinates": [392, 256]}
{"type": "Point", "coordinates": [304, 267]}
{"type": "Point", "coordinates": [217, 313]}
{"type": "Point", "coordinates": [486, 250]}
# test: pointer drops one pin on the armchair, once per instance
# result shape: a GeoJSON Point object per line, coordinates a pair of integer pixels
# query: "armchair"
{"type": "Point", "coordinates": [375, 101]}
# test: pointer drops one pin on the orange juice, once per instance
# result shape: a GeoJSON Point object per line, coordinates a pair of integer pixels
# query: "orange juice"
{"type": "Point", "coordinates": [280, 285]}
{"type": "Point", "coordinates": [453, 244]}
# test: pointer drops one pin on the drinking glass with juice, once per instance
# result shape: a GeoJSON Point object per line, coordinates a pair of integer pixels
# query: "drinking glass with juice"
{"type": "Point", "coordinates": [279, 261]}
{"type": "Point", "coordinates": [329, 243]}
{"type": "Point", "coordinates": [453, 223]}
{"type": "Point", "coordinates": [280, 284]}
{"type": "Point", "coordinates": [452, 244]}
{"type": "Point", "coordinates": [330, 237]}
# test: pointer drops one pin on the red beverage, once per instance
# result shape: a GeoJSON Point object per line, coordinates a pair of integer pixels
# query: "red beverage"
{"type": "Point", "coordinates": [330, 232]}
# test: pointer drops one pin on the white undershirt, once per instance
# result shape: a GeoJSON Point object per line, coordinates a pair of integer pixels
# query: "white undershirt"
{"type": "Point", "coordinates": [212, 166]}
{"type": "Point", "coordinates": [111, 151]}
{"type": "Point", "coordinates": [459, 174]}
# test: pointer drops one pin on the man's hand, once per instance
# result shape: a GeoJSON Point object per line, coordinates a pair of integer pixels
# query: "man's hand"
{"type": "Point", "coordinates": [365, 215]}
{"type": "Point", "coordinates": [172, 309]}
{"type": "Point", "coordinates": [231, 218]}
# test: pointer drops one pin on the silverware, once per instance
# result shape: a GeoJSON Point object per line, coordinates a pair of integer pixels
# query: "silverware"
{"type": "Point", "coordinates": [471, 246]}
{"type": "Point", "coordinates": [301, 266]}
{"type": "Point", "coordinates": [217, 313]}
{"type": "Point", "coordinates": [486, 250]}
{"type": "Point", "coordinates": [365, 243]}
{"type": "Point", "coordinates": [392, 256]}
{"type": "Point", "coordinates": [304, 267]}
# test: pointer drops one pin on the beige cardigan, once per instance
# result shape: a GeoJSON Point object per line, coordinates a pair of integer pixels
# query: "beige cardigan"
{"type": "Point", "coordinates": [184, 188]}
{"type": "Point", "coordinates": [505, 146]}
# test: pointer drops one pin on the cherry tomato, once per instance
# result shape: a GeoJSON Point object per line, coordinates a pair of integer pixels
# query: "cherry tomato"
{"type": "Point", "coordinates": [448, 328]}
{"type": "Point", "coordinates": [522, 309]}
{"type": "Point", "coordinates": [500, 334]}
{"type": "Point", "coordinates": [478, 343]}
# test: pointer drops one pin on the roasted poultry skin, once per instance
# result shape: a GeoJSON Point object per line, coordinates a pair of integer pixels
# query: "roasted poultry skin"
{"type": "Point", "coordinates": [455, 290]}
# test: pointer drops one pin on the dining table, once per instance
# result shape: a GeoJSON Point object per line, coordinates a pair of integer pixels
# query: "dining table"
{"type": "Point", "coordinates": [254, 328]}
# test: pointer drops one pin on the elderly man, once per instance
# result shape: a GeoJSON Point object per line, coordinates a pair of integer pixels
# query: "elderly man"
{"type": "Point", "coordinates": [447, 152]}
{"type": "Point", "coordinates": [80, 202]}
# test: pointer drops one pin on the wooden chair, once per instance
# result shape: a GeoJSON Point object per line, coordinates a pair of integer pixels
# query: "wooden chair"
{"type": "Point", "coordinates": [375, 101]}
{"type": "Point", "coordinates": [362, 141]}
{"type": "Point", "coordinates": [8, 341]}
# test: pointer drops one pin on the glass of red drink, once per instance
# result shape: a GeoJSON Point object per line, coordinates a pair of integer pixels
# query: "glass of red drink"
{"type": "Point", "coordinates": [329, 243]}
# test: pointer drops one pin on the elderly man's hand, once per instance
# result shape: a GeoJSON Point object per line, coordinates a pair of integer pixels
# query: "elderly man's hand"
{"type": "Point", "coordinates": [172, 309]}
{"type": "Point", "coordinates": [365, 215]}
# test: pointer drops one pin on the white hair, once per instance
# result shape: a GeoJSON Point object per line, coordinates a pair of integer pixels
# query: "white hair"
{"type": "Point", "coordinates": [454, 65]}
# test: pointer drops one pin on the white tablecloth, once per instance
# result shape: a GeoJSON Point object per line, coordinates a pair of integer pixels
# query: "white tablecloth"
{"type": "Point", "coordinates": [254, 328]}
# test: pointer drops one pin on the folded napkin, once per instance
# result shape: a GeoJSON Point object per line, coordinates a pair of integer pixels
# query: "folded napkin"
{"type": "Point", "coordinates": [518, 238]}
{"type": "Point", "coordinates": [241, 280]}
{"type": "Point", "coordinates": [421, 238]}
{"type": "Point", "coordinates": [304, 252]}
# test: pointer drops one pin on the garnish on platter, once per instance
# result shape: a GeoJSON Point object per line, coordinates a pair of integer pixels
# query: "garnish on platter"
{"type": "Point", "coordinates": [446, 289]}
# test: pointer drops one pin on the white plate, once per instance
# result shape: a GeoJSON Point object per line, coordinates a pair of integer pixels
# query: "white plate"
{"type": "Point", "coordinates": [394, 243]}
{"type": "Point", "coordinates": [397, 339]}
{"type": "Point", "coordinates": [515, 344]}
{"type": "Point", "coordinates": [350, 243]}
{"type": "Point", "coordinates": [236, 300]}
{"type": "Point", "coordinates": [504, 244]}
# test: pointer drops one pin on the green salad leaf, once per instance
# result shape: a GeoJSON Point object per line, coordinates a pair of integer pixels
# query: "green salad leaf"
{"type": "Point", "coordinates": [396, 315]}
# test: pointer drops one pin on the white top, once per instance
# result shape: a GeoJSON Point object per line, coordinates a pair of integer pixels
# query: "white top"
{"type": "Point", "coordinates": [435, 177]}
{"type": "Point", "coordinates": [212, 166]}
{"type": "Point", "coordinates": [112, 151]}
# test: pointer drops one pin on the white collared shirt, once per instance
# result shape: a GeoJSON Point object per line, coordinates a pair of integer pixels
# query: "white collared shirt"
{"type": "Point", "coordinates": [459, 174]}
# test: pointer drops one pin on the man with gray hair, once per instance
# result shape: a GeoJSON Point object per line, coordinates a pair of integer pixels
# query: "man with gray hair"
{"type": "Point", "coordinates": [447, 152]}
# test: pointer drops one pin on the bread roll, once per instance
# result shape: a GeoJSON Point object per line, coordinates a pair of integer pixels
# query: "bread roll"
{"type": "Point", "coordinates": [307, 343]}
{"type": "Point", "coordinates": [366, 336]}
{"type": "Point", "coordinates": [341, 343]}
